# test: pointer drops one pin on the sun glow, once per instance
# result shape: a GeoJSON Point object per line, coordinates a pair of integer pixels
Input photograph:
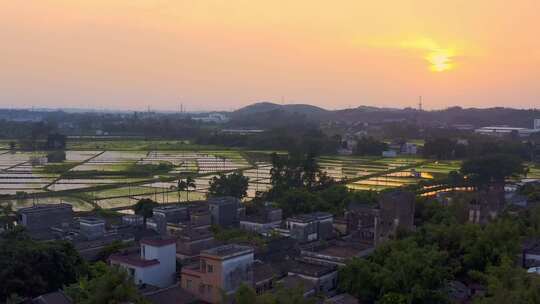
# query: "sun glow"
{"type": "Point", "coordinates": [440, 60]}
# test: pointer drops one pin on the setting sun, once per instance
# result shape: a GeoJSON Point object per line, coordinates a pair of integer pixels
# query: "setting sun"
{"type": "Point", "coordinates": [440, 61]}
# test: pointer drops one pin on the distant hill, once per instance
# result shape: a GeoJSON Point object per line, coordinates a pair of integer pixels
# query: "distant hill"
{"type": "Point", "coordinates": [260, 107]}
{"type": "Point", "coordinates": [265, 113]}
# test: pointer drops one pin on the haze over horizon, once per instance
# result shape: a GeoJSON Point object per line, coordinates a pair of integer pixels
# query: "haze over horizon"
{"type": "Point", "coordinates": [222, 55]}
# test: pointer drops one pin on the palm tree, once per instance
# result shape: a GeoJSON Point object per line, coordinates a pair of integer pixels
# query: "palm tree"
{"type": "Point", "coordinates": [185, 185]}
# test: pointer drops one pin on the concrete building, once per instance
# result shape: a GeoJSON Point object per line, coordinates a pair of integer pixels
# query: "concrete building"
{"type": "Point", "coordinates": [168, 214]}
{"type": "Point", "coordinates": [409, 149]}
{"type": "Point", "coordinates": [310, 227]}
{"type": "Point", "coordinates": [190, 243]}
{"type": "Point", "coordinates": [375, 224]}
{"type": "Point", "coordinates": [323, 276]}
{"type": "Point", "coordinates": [531, 254]}
{"type": "Point", "coordinates": [39, 219]}
{"type": "Point", "coordinates": [336, 252]}
{"type": "Point", "coordinates": [225, 211]}
{"type": "Point", "coordinates": [133, 220]}
{"type": "Point", "coordinates": [220, 269]}
{"type": "Point", "coordinates": [153, 264]}
{"type": "Point", "coordinates": [487, 204]}
{"type": "Point", "coordinates": [92, 228]}
{"type": "Point", "coordinates": [389, 153]}
{"type": "Point", "coordinates": [297, 282]}
{"type": "Point", "coordinates": [268, 219]}
{"type": "Point", "coordinates": [506, 130]}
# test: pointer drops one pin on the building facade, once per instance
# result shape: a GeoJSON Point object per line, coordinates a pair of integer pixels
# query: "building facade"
{"type": "Point", "coordinates": [220, 270]}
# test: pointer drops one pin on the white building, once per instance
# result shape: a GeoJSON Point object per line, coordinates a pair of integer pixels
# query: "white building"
{"type": "Point", "coordinates": [213, 117]}
{"type": "Point", "coordinates": [409, 148]}
{"type": "Point", "coordinates": [155, 264]}
{"type": "Point", "coordinates": [506, 130]}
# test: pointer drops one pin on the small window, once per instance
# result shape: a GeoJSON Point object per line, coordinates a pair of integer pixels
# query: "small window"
{"type": "Point", "coordinates": [188, 284]}
{"type": "Point", "coordinates": [210, 268]}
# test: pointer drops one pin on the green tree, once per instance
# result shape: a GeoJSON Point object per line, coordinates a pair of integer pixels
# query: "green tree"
{"type": "Point", "coordinates": [245, 295]}
{"type": "Point", "coordinates": [296, 201]}
{"type": "Point", "coordinates": [144, 207]}
{"type": "Point", "coordinates": [30, 268]}
{"type": "Point", "coordinates": [106, 285]}
{"type": "Point", "coordinates": [507, 283]}
{"type": "Point", "coordinates": [234, 184]}
{"type": "Point", "coordinates": [494, 168]}
{"type": "Point", "coordinates": [369, 146]}
{"type": "Point", "coordinates": [398, 270]}
{"type": "Point", "coordinates": [185, 185]}
{"type": "Point", "coordinates": [280, 295]}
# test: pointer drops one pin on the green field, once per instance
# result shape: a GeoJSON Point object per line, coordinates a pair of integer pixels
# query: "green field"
{"type": "Point", "coordinates": [104, 172]}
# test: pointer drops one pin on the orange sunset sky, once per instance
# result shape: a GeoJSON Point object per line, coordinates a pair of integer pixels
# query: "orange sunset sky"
{"type": "Point", "coordinates": [128, 54]}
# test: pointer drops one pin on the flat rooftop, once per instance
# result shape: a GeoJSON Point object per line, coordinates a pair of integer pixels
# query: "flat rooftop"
{"type": "Point", "coordinates": [45, 207]}
{"type": "Point", "coordinates": [345, 251]}
{"type": "Point", "coordinates": [309, 217]}
{"type": "Point", "coordinates": [227, 251]}
{"type": "Point", "coordinates": [311, 269]}
{"type": "Point", "coordinates": [225, 200]}
{"type": "Point", "coordinates": [169, 208]}
{"type": "Point", "coordinates": [91, 220]}
{"type": "Point", "coordinates": [158, 241]}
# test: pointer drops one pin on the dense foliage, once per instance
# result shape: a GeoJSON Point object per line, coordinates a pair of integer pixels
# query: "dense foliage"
{"type": "Point", "coordinates": [492, 168]}
{"type": "Point", "coordinates": [246, 295]}
{"type": "Point", "coordinates": [369, 146]}
{"type": "Point", "coordinates": [105, 284]}
{"type": "Point", "coordinates": [234, 184]}
{"type": "Point", "coordinates": [445, 247]}
{"type": "Point", "coordinates": [144, 207]}
{"type": "Point", "coordinates": [29, 268]}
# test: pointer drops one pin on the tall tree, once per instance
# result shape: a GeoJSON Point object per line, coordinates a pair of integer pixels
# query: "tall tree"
{"type": "Point", "coordinates": [185, 185]}
{"type": "Point", "coordinates": [144, 207]}
{"type": "Point", "coordinates": [234, 184]}
{"type": "Point", "coordinates": [494, 168]}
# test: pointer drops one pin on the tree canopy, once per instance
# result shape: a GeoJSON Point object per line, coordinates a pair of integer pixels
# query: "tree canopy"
{"type": "Point", "coordinates": [144, 207]}
{"type": "Point", "coordinates": [234, 184]}
{"type": "Point", "coordinates": [105, 285]}
{"type": "Point", "coordinates": [492, 168]}
{"type": "Point", "coordinates": [29, 268]}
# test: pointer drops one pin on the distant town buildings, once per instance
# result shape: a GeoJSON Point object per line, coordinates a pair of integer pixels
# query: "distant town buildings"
{"type": "Point", "coordinates": [212, 118]}
{"type": "Point", "coordinates": [506, 130]}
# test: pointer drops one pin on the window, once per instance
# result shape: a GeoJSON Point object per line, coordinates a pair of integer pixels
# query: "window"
{"type": "Point", "coordinates": [210, 268]}
{"type": "Point", "coordinates": [203, 265]}
{"type": "Point", "coordinates": [188, 284]}
{"type": "Point", "coordinates": [209, 288]}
